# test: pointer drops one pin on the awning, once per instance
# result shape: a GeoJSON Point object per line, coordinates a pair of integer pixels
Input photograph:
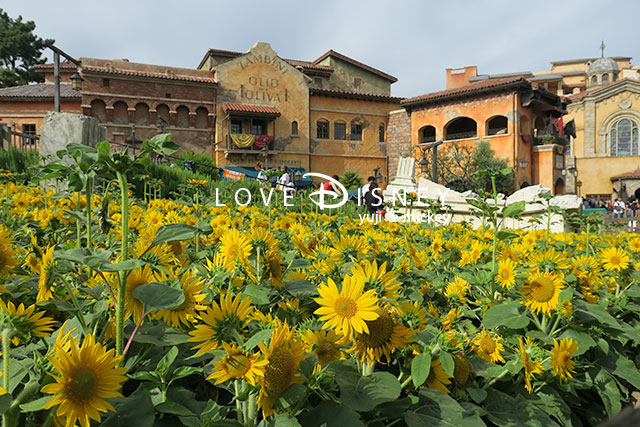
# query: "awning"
{"type": "Point", "coordinates": [266, 111]}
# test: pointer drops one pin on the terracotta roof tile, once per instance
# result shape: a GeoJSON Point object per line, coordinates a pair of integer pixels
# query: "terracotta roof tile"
{"type": "Point", "coordinates": [38, 91]}
{"type": "Point", "coordinates": [354, 95]}
{"type": "Point", "coordinates": [64, 65]}
{"type": "Point", "coordinates": [146, 74]}
{"type": "Point", "coordinates": [480, 86]}
{"type": "Point", "coordinates": [251, 108]}
{"type": "Point", "coordinates": [628, 175]}
{"type": "Point", "coordinates": [578, 96]}
{"type": "Point", "coordinates": [357, 64]}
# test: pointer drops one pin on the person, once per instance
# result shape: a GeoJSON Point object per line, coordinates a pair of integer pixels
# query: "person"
{"type": "Point", "coordinates": [367, 186]}
{"type": "Point", "coordinates": [618, 208]}
{"type": "Point", "coordinates": [330, 185]}
{"type": "Point", "coordinates": [262, 177]}
{"type": "Point", "coordinates": [373, 199]}
{"type": "Point", "coordinates": [284, 180]}
{"type": "Point", "coordinates": [633, 208]}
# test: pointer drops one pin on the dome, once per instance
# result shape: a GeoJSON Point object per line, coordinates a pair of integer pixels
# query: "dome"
{"type": "Point", "coordinates": [602, 65]}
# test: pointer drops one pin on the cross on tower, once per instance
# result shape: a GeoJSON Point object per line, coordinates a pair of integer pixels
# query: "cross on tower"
{"type": "Point", "coordinates": [602, 46]}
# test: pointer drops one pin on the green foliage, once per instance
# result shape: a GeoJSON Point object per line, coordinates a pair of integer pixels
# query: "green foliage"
{"type": "Point", "coordinates": [21, 163]}
{"type": "Point", "coordinates": [212, 171]}
{"type": "Point", "coordinates": [172, 178]}
{"type": "Point", "coordinates": [351, 180]}
{"type": "Point", "coordinates": [484, 158]}
{"type": "Point", "coordinates": [20, 50]}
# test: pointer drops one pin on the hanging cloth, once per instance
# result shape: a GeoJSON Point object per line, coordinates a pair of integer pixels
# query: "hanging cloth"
{"type": "Point", "coordinates": [243, 140]}
{"type": "Point", "coordinates": [262, 140]}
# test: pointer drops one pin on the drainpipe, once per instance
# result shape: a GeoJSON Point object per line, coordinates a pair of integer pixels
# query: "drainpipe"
{"type": "Point", "coordinates": [515, 121]}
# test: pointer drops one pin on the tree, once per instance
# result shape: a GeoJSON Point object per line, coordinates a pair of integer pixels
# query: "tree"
{"type": "Point", "coordinates": [484, 158]}
{"type": "Point", "coordinates": [20, 50]}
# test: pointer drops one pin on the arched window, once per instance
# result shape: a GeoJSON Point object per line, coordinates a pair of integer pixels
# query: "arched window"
{"type": "Point", "coordinates": [594, 80]}
{"type": "Point", "coordinates": [120, 114]}
{"type": "Point", "coordinates": [624, 138]}
{"type": "Point", "coordinates": [142, 114]}
{"type": "Point", "coordinates": [202, 118]}
{"type": "Point", "coordinates": [356, 130]}
{"type": "Point", "coordinates": [182, 117]}
{"type": "Point", "coordinates": [294, 128]}
{"type": "Point", "coordinates": [538, 126]}
{"type": "Point", "coordinates": [162, 111]}
{"type": "Point", "coordinates": [427, 134]}
{"type": "Point", "coordinates": [497, 125]}
{"type": "Point", "coordinates": [605, 78]}
{"type": "Point", "coordinates": [322, 129]}
{"type": "Point", "coordinates": [558, 186]}
{"type": "Point", "coordinates": [381, 133]}
{"type": "Point", "coordinates": [461, 128]}
{"type": "Point", "coordinates": [98, 110]}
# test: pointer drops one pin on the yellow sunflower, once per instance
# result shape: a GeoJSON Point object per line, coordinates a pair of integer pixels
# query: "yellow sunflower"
{"type": "Point", "coordinates": [45, 283]}
{"type": "Point", "coordinates": [451, 317]}
{"type": "Point", "coordinates": [235, 247]}
{"type": "Point", "coordinates": [224, 322]}
{"type": "Point", "coordinates": [634, 244]}
{"type": "Point", "coordinates": [133, 306]}
{"type": "Point", "coordinates": [438, 379]}
{"type": "Point", "coordinates": [324, 344]}
{"type": "Point", "coordinates": [26, 321]}
{"type": "Point", "coordinates": [488, 346]}
{"type": "Point", "coordinates": [194, 295]}
{"type": "Point", "coordinates": [7, 252]}
{"type": "Point", "coordinates": [384, 282]}
{"type": "Point", "coordinates": [506, 276]}
{"type": "Point", "coordinates": [614, 259]}
{"type": "Point", "coordinates": [461, 370]}
{"type": "Point", "coordinates": [566, 308]}
{"type": "Point", "coordinates": [237, 364]}
{"type": "Point", "coordinates": [458, 289]}
{"type": "Point", "coordinates": [561, 358]}
{"type": "Point", "coordinates": [86, 377]}
{"type": "Point", "coordinates": [413, 315]}
{"type": "Point", "coordinates": [531, 367]}
{"type": "Point", "coordinates": [383, 337]}
{"type": "Point", "coordinates": [351, 247]}
{"type": "Point", "coordinates": [347, 310]}
{"type": "Point", "coordinates": [548, 260]}
{"type": "Point", "coordinates": [283, 360]}
{"type": "Point", "coordinates": [542, 291]}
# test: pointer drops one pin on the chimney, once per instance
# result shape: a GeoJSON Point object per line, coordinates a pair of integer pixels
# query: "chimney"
{"type": "Point", "coordinates": [457, 77]}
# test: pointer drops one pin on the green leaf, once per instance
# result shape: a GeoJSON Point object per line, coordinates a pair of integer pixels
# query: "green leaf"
{"type": "Point", "coordinates": [173, 408]}
{"type": "Point", "coordinates": [363, 393]}
{"type": "Point", "coordinates": [447, 363]}
{"type": "Point", "coordinates": [420, 368]}
{"type": "Point", "coordinates": [477, 394]}
{"type": "Point", "coordinates": [174, 233]}
{"type": "Point", "coordinates": [514, 210]}
{"type": "Point", "coordinates": [607, 389]}
{"type": "Point", "coordinates": [439, 409]}
{"type": "Point", "coordinates": [292, 395]}
{"type": "Point", "coordinates": [158, 295]}
{"type": "Point", "coordinates": [584, 340]}
{"type": "Point", "coordinates": [257, 338]}
{"type": "Point", "coordinates": [259, 295]}
{"type": "Point", "coordinates": [506, 235]}
{"type": "Point", "coordinates": [331, 414]}
{"type": "Point", "coordinates": [285, 420]}
{"type": "Point", "coordinates": [5, 402]}
{"type": "Point", "coordinates": [167, 360]}
{"type": "Point", "coordinates": [505, 410]}
{"type": "Point", "coordinates": [185, 371]}
{"type": "Point", "coordinates": [301, 288]}
{"type": "Point", "coordinates": [35, 405]}
{"type": "Point", "coordinates": [128, 265]}
{"type": "Point", "coordinates": [135, 410]}
{"type": "Point", "coordinates": [507, 314]}
{"type": "Point", "coordinates": [160, 335]}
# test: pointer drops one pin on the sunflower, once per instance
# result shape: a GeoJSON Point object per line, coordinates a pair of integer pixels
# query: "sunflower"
{"type": "Point", "coordinates": [264, 239]}
{"type": "Point", "coordinates": [237, 364]}
{"type": "Point", "coordinates": [561, 358]}
{"type": "Point", "coordinates": [45, 282]}
{"type": "Point", "coordinates": [461, 370]}
{"type": "Point", "coordinates": [438, 379]}
{"type": "Point", "coordinates": [506, 276]}
{"type": "Point", "coordinates": [235, 247]}
{"type": "Point", "coordinates": [459, 289]}
{"type": "Point", "coordinates": [324, 344]}
{"type": "Point", "coordinates": [566, 308]}
{"type": "Point", "coordinates": [351, 246]}
{"type": "Point", "coordinates": [133, 306]}
{"type": "Point", "coordinates": [86, 377]}
{"type": "Point", "coordinates": [542, 291]}
{"type": "Point", "coordinates": [283, 360]}
{"type": "Point", "coordinates": [413, 315]}
{"type": "Point", "coordinates": [531, 367]}
{"type": "Point", "coordinates": [384, 336]}
{"type": "Point", "coordinates": [614, 259]}
{"type": "Point", "coordinates": [185, 313]}
{"type": "Point", "coordinates": [488, 346]}
{"type": "Point", "coordinates": [348, 310]}
{"type": "Point", "coordinates": [7, 252]}
{"type": "Point", "coordinates": [634, 244]}
{"type": "Point", "coordinates": [548, 260]}
{"type": "Point", "coordinates": [384, 282]}
{"type": "Point", "coordinates": [584, 267]}
{"type": "Point", "coordinates": [27, 323]}
{"type": "Point", "coordinates": [222, 322]}
{"type": "Point", "coordinates": [451, 317]}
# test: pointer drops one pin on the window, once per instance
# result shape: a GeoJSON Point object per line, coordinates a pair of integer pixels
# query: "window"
{"type": "Point", "coordinates": [357, 82]}
{"type": "Point", "coordinates": [236, 126]}
{"type": "Point", "coordinates": [317, 82]}
{"type": "Point", "coordinates": [202, 118]}
{"type": "Point", "coordinates": [461, 128]}
{"type": "Point", "coordinates": [427, 134]}
{"type": "Point", "coordinates": [624, 138]}
{"type": "Point", "coordinates": [356, 132]}
{"type": "Point", "coordinates": [594, 80]}
{"type": "Point", "coordinates": [167, 95]}
{"type": "Point", "coordinates": [339, 131]}
{"type": "Point", "coordinates": [381, 133]}
{"type": "Point", "coordinates": [605, 78]}
{"type": "Point", "coordinates": [106, 82]}
{"type": "Point", "coordinates": [497, 125]}
{"type": "Point", "coordinates": [322, 130]}
{"type": "Point", "coordinates": [120, 113]}
{"type": "Point", "coordinates": [258, 127]}
{"type": "Point", "coordinates": [294, 128]}
{"type": "Point", "coordinates": [29, 129]}
{"type": "Point", "coordinates": [182, 117]}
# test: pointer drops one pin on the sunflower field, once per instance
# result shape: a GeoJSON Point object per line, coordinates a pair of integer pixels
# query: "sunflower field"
{"type": "Point", "coordinates": [120, 311]}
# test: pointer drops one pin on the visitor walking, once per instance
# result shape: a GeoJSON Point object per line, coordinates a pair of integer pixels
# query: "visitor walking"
{"type": "Point", "coordinates": [618, 208]}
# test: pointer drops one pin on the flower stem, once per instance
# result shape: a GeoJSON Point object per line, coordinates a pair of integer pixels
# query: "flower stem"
{"type": "Point", "coordinates": [78, 225]}
{"type": "Point", "coordinates": [124, 245]}
{"type": "Point", "coordinates": [88, 190]}
{"type": "Point", "coordinates": [6, 337]}
{"type": "Point", "coordinates": [236, 387]}
{"type": "Point", "coordinates": [133, 334]}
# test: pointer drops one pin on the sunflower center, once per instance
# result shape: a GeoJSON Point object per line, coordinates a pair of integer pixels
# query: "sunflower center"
{"type": "Point", "coordinates": [345, 307]}
{"type": "Point", "coordinates": [614, 260]}
{"type": "Point", "coordinates": [325, 352]}
{"type": "Point", "coordinates": [487, 345]}
{"type": "Point", "coordinates": [278, 374]}
{"type": "Point", "coordinates": [380, 331]}
{"type": "Point", "coordinates": [542, 289]}
{"type": "Point", "coordinates": [564, 358]}
{"type": "Point", "coordinates": [504, 274]}
{"type": "Point", "coordinates": [83, 384]}
{"type": "Point", "coordinates": [238, 365]}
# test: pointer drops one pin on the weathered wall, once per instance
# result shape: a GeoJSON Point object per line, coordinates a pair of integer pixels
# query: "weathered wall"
{"type": "Point", "coordinates": [398, 139]}
{"type": "Point", "coordinates": [345, 74]}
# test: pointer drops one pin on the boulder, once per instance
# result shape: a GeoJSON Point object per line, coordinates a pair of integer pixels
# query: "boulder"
{"type": "Point", "coordinates": [528, 194]}
{"type": "Point", "coordinates": [60, 129]}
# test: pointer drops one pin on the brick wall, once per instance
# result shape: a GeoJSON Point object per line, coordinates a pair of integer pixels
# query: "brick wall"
{"type": "Point", "coordinates": [398, 139]}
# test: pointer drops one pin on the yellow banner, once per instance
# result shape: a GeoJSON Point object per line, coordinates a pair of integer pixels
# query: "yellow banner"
{"type": "Point", "coordinates": [243, 140]}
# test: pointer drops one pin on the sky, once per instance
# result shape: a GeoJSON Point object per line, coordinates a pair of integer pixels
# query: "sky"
{"type": "Point", "coordinates": [414, 41]}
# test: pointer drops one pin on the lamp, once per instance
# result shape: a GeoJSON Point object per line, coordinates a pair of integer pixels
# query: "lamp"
{"type": "Point", "coordinates": [297, 176]}
{"type": "Point", "coordinates": [424, 163]}
{"type": "Point", "coordinates": [376, 173]}
{"type": "Point", "coordinates": [76, 81]}
{"type": "Point", "coordinates": [579, 184]}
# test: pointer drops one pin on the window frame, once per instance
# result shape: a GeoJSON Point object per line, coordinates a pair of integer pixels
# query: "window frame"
{"type": "Point", "coordinates": [234, 123]}
{"type": "Point", "coordinates": [356, 129]}
{"type": "Point", "coordinates": [327, 129]}
{"type": "Point", "coordinates": [340, 136]}
{"type": "Point", "coordinates": [633, 137]}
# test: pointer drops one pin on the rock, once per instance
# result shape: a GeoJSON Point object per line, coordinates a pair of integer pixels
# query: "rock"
{"type": "Point", "coordinates": [60, 129]}
{"type": "Point", "coordinates": [528, 194]}
{"type": "Point", "coordinates": [567, 201]}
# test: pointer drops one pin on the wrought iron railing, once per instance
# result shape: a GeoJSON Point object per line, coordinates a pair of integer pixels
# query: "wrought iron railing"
{"type": "Point", "coordinates": [461, 135]}
{"type": "Point", "coordinates": [20, 140]}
